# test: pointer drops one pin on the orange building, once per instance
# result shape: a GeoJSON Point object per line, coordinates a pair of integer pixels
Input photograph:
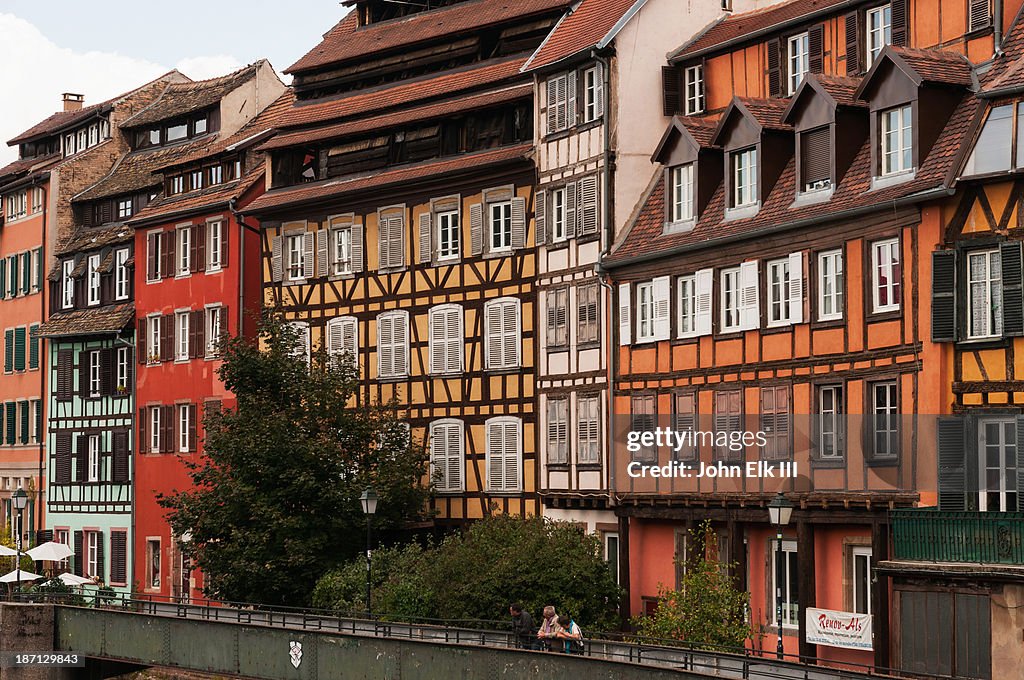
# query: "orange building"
{"type": "Point", "coordinates": [774, 281]}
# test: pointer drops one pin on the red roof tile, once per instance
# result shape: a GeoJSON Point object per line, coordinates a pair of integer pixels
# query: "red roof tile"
{"type": "Point", "coordinates": [103, 321]}
{"type": "Point", "coordinates": [702, 129]}
{"type": "Point", "coordinates": [937, 66]}
{"type": "Point", "coordinates": [645, 236]}
{"type": "Point", "coordinates": [402, 93]}
{"type": "Point", "coordinates": [181, 98]}
{"type": "Point", "coordinates": [348, 41]}
{"type": "Point", "coordinates": [767, 112]}
{"type": "Point", "coordinates": [840, 88]}
{"type": "Point", "coordinates": [134, 171]}
{"type": "Point", "coordinates": [580, 30]}
{"type": "Point", "coordinates": [210, 197]}
{"type": "Point", "coordinates": [748, 25]}
{"type": "Point", "coordinates": [336, 188]}
{"type": "Point", "coordinates": [440, 109]}
{"type": "Point", "coordinates": [25, 166]}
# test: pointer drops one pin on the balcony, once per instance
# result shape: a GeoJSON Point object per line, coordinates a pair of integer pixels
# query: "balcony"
{"type": "Point", "coordinates": [928, 535]}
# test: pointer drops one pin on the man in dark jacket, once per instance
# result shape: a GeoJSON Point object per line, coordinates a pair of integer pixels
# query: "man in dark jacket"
{"type": "Point", "coordinates": [522, 627]}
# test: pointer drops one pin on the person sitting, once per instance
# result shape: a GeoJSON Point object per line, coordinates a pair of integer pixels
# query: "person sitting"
{"type": "Point", "coordinates": [522, 627]}
{"type": "Point", "coordinates": [571, 634]}
{"type": "Point", "coordinates": [549, 629]}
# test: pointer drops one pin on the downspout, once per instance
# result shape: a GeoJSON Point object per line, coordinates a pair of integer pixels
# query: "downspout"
{"type": "Point", "coordinates": [43, 361]}
{"type": "Point", "coordinates": [997, 28]}
{"type": "Point", "coordinates": [242, 227]}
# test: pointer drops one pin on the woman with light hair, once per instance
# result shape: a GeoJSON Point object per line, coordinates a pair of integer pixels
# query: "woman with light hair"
{"type": "Point", "coordinates": [549, 629]}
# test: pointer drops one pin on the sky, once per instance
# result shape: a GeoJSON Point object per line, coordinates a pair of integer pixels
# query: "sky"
{"type": "Point", "coordinates": [105, 47]}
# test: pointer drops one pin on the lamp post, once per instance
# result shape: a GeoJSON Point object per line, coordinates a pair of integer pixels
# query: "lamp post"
{"type": "Point", "coordinates": [20, 499]}
{"type": "Point", "coordinates": [779, 512]}
{"type": "Point", "coordinates": [369, 501]}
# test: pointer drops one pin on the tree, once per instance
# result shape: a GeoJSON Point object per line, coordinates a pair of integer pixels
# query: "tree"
{"type": "Point", "coordinates": [275, 500]}
{"type": "Point", "coordinates": [707, 609]}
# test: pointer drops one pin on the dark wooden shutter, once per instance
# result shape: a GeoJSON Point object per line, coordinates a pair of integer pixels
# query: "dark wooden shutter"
{"type": "Point", "coordinates": [944, 296]}
{"type": "Point", "coordinates": [65, 367]}
{"type": "Point", "coordinates": [83, 374]}
{"type": "Point", "coordinates": [899, 22]}
{"type": "Point", "coordinates": [81, 458]}
{"type": "Point", "coordinates": [774, 68]}
{"type": "Point", "coordinates": [193, 339]}
{"type": "Point", "coordinates": [192, 413]}
{"type": "Point", "coordinates": [1013, 301]}
{"type": "Point", "coordinates": [816, 48]}
{"type": "Point", "coordinates": [167, 429]}
{"type": "Point", "coordinates": [167, 264]}
{"type": "Point", "coordinates": [79, 559]}
{"type": "Point", "coordinates": [198, 325]}
{"type": "Point", "coordinates": [120, 453]}
{"type": "Point", "coordinates": [816, 156]}
{"type": "Point", "coordinates": [852, 43]}
{"type": "Point", "coordinates": [152, 251]}
{"type": "Point", "coordinates": [62, 467]}
{"type": "Point", "coordinates": [952, 444]}
{"type": "Point", "coordinates": [1020, 477]}
{"type": "Point", "coordinates": [224, 243]}
{"type": "Point", "coordinates": [140, 342]}
{"type": "Point", "coordinates": [167, 337]}
{"type": "Point", "coordinates": [108, 359]}
{"type": "Point", "coordinates": [199, 248]}
{"type": "Point", "coordinates": [118, 557]}
{"type": "Point", "coordinates": [142, 445]}
{"type": "Point", "coordinates": [99, 556]}
{"type": "Point", "coordinates": [980, 15]}
{"type": "Point", "coordinates": [671, 88]}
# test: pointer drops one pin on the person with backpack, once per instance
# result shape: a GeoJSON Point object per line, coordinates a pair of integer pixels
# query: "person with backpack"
{"type": "Point", "coordinates": [522, 627]}
{"type": "Point", "coordinates": [572, 635]}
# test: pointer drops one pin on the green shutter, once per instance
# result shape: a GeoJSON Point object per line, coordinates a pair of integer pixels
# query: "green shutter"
{"type": "Point", "coordinates": [8, 350]}
{"type": "Point", "coordinates": [26, 272]}
{"type": "Point", "coordinates": [39, 269]}
{"type": "Point", "coordinates": [33, 346]}
{"type": "Point", "coordinates": [37, 410]}
{"type": "Point", "coordinates": [952, 459]}
{"type": "Point", "coordinates": [3, 278]}
{"type": "Point", "coordinates": [12, 279]}
{"type": "Point", "coordinates": [24, 421]}
{"type": "Point", "coordinates": [9, 409]}
{"type": "Point", "coordinates": [19, 349]}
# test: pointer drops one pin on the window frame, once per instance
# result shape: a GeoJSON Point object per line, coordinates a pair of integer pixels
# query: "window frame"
{"type": "Point", "coordinates": [905, 148]}
{"type": "Point", "coordinates": [154, 422]}
{"type": "Point", "coordinates": [682, 203]}
{"type": "Point", "coordinates": [791, 606]}
{"type": "Point", "coordinates": [294, 269]}
{"type": "Point", "coordinates": [798, 64]}
{"type": "Point", "coordinates": [92, 561]}
{"type": "Point", "coordinates": [67, 284]}
{"type": "Point", "coordinates": [154, 323]}
{"type": "Point", "coordinates": [214, 242]}
{"type": "Point", "coordinates": [645, 311]}
{"type": "Point", "coordinates": [339, 246]}
{"type": "Point", "coordinates": [834, 414]}
{"type": "Point", "coordinates": [182, 332]}
{"type": "Point", "coordinates": [894, 283]}
{"type": "Point", "coordinates": [183, 264]}
{"type": "Point", "coordinates": [95, 373]}
{"type": "Point", "coordinates": [860, 551]}
{"type": "Point", "coordinates": [735, 291]}
{"type": "Point", "coordinates": [693, 89]}
{"type": "Point", "coordinates": [592, 87]}
{"type": "Point", "coordinates": [448, 486]}
{"type": "Point", "coordinates": [779, 310]}
{"type": "Point", "coordinates": [184, 425]}
{"type": "Point", "coordinates": [214, 328]}
{"type": "Point", "coordinates": [1001, 494]}
{"type": "Point", "coordinates": [122, 281]}
{"type": "Point", "coordinates": [94, 464]}
{"type": "Point", "coordinates": [744, 194]}
{"type": "Point", "coordinates": [892, 421]}
{"type": "Point", "coordinates": [504, 223]}
{"type": "Point", "coordinates": [871, 51]}
{"type": "Point", "coordinates": [92, 280]}
{"type": "Point", "coordinates": [448, 249]}
{"type": "Point", "coordinates": [838, 284]}
{"type": "Point", "coordinates": [993, 285]}
{"type": "Point", "coordinates": [559, 214]}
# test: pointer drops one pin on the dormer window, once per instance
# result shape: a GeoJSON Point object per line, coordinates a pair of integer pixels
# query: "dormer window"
{"type": "Point", "coordinates": [798, 60]}
{"type": "Point", "coordinates": [693, 78]}
{"type": "Point", "coordinates": [173, 133]}
{"type": "Point", "coordinates": [67, 284]}
{"type": "Point", "coordinates": [879, 31]}
{"type": "Point", "coordinates": [815, 160]}
{"type": "Point", "coordinates": [682, 192]}
{"type": "Point", "coordinates": [744, 177]}
{"type": "Point", "coordinates": [177, 184]}
{"type": "Point", "coordinates": [897, 148]}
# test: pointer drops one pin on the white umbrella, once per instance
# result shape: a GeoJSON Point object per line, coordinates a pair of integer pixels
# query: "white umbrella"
{"type": "Point", "coordinates": [13, 576]}
{"type": "Point", "coordinates": [50, 552]}
{"type": "Point", "coordinates": [71, 580]}
{"type": "Point", "coordinates": [7, 552]}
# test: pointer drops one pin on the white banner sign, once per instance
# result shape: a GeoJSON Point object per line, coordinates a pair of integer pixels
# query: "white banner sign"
{"type": "Point", "coordinates": [838, 629]}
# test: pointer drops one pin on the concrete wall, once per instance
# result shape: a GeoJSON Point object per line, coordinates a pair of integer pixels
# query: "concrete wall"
{"type": "Point", "coordinates": [1008, 629]}
{"type": "Point", "coordinates": [28, 628]}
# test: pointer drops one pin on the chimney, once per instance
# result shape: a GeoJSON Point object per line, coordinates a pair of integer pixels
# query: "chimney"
{"type": "Point", "coordinates": [73, 102]}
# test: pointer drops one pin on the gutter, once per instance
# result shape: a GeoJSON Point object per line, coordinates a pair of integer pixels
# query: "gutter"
{"type": "Point", "coordinates": [912, 199]}
{"type": "Point", "coordinates": [186, 212]}
{"type": "Point", "coordinates": [240, 218]}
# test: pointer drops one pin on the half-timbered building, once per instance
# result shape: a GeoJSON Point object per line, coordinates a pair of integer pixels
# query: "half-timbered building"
{"type": "Point", "coordinates": [774, 282]}
{"type": "Point", "coordinates": [399, 229]}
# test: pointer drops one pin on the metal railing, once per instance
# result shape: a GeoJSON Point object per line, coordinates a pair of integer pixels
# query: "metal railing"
{"type": "Point", "coordinates": [740, 663]}
{"type": "Point", "coordinates": [929, 535]}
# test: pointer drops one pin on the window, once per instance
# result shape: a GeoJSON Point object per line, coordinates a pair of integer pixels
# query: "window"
{"type": "Point", "coordinates": [897, 140]}
{"type": "Point", "coordinates": [447, 440]}
{"type": "Point", "coordinates": [214, 329]}
{"type": "Point", "coordinates": [830, 285]}
{"type": "Point", "coordinates": [558, 113]}
{"type": "Point", "coordinates": [645, 311]}
{"type": "Point", "coordinates": [558, 214]}
{"type": "Point", "coordinates": [214, 235]}
{"type": "Point", "coordinates": [775, 422]}
{"type": "Point", "coordinates": [178, 184]}
{"type": "Point", "coordinates": [799, 60]}
{"type": "Point", "coordinates": [992, 151]}
{"type": "Point", "coordinates": [92, 561]}
{"type": "Point", "coordinates": [501, 226]}
{"type": "Point", "coordinates": [94, 279]}
{"type": "Point", "coordinates": [296, 256]}
{"type": "Point", "coordinates": [155, 414]}
{"type": "Point", "coordinates": [446, 340]}
{"type": "Point", "coordinates": [557, 310]}
{"type": "Point", "coordinates": [558, 431]}
{"type": "Point", "coordinates": [999, 467]}
{"type": "Point", "coordinates": [153, 563]}
{"type": "Point", "coordinates": [37, 199]}
{"type": "Point", "coordinates": [682, 192]}
{"type": "Point", "coordinates": [94, 373]}
{"type": "Point", "coordinates": [985, 294]}
{"type": "Point", "coordinates": [588, 430]}
{"type": "Point", "coordinates": [885, 429]}
{"type": "Point", "coordinates": [687, 306]}
{"type": "Point", "coordinates": [153, 343]}
{"type": "Point", "coordinates": [586, 313]}
{"type": "Point", "coordinates": [94, 135]}
{"type": "Point", "coordinates": [343, 338]}
{"type": "Point", "coordinates": [121, 278]}
{"type": "Point", "coordinates": [504, 454]}
{"type": "Point", "coordinates": [124, 208]}
{"type": "Point", "coordinates": [154, 255]}
{"type": "Point", "coordinates": [181, 335]}
{"type": "Point", "coordinates": [611, 552]}
{"type": "Point", "coordinates": [94, 458]}
{"type": "Point", "coordinates": [831, 423]}
{"type": "Point", "coordinates": [728, 418]}
{"type": "Point", "coordinates": [301, 350]}
{"type": "Point", "coordinates": [784, 582]}
{"type": "Point", "coordinates": [731, 299]}
{"type": "Point", "coordinates": [684, 407]}
{"type": "Point", "coordinates": [393, 345]}
{"type": "Point", "coordinates": [122, 370]}
{"type": "Point", "coordinates": [195, 180]}
{"type": "Point", "coordinates": [643, 418]}
{"type": "Point", "coordinates": [592, 94]}
{"type": "Point", "coordinates": [215, 174]}
{"type": "Point", "coordinates": [744, 177]}
{"type": "Point", "coordinates": [199, 126]}
{"type": "Point", "coordinates": [502, 334]}
{"type": "Point", "coordinates": [693, 77]}
{"type": "Point", "coordinates": [778, 293]}
{"type": "Point", "coordinates": [175, 132]}
{"type": "Point", "coordinates": [816, 159]}
{"type": "Point", "coordinates": [62, 536]}
{"type": "Point", "coordinates": [186, 415]}
{"type": "Point", "coordinates": [448, 239]}
{"type": "Point", "coordinates": [861, 582]}
{"type": "Point", "coordinates": [886, 275]}
{"type": "Point", "coordinates": [37, 421]}
{"type": "Point", "coordinates": [184, 251]}
{"type": "Point", "coordinates": [879, 31]}
{"type": "Point", "coordinates": [16, 205]}
{"type": "Point", "coordinates": [341, 240]}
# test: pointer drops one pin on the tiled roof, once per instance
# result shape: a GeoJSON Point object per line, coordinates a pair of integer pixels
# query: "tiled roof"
{"type": "Point", "coordinates": [740, 26]}
{"type": "Point", "coordinates": [702, 129]}
{"type": "Point", "coordinates": [767, 112]}
{"type": "Point", "coordinates": [403, 93]}
{"type": "Point", "coordinates": [841, 89]}
{"type": "Point", "coordinates": [426, 112]}
{"type": "Point", "coordinates": [91, 238]}
{"type": "Point", "coordinates": [580, 29]}
{"type": "Point", "coordinates": [134, 171]}
{"type": "Point", "coordinates": [103, 321]}
{"type": "Point", "coordinates": [348, 41]}
{"type": "Point", "coordinates": [1010, 76]}
{"type": "Point", "coordinates": [181, 98]}
{"type": "Point", "coordinates": [1007, 71]}
{"type": "Point", "coordinates": [937, 66]}
{"type": "Point", "coordinates": [646, 238]}
{"type": "Point", "coordinates": [335, 188]}
{"type": "Point", "coordinates": [196, 201]}
{"type": "Point", "coordinates": [25, 166]}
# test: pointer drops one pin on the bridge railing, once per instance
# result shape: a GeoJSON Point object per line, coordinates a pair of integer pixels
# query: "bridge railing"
{"type": "Point", "coordinates": [741, 663]}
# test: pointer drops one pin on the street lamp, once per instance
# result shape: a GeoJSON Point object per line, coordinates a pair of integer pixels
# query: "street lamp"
{"type": "Point", "coordinates": [779, 512]}
{"type": "Point", "coordinates": [369, 501]}
{"type": "Point", "coordinates": [20, 499]}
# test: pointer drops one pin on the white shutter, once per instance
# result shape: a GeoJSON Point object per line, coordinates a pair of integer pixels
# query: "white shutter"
{"type": "Point", "coordinates": [456, 444]}
{"type": "Point", "coordinates": [518, 222]}
{"type": "Point", "coordinates": [513, 333]}
{"type": "Point", "coordinates": [703, 283]}
{"type": "Point", "coordinates": [476, 228]}
{"type": "Point", "coordinates": [570, 210]}
{"type": "Point", "coordinates": [455, 342]}
{"type": "Point", "coordinates": [357, 247]}
{"type": "Point", "coordinates": [397, 241]}
{"type": "Point", "coordinates": [588, 205]}
{"type": "Point", "coordinates": [401, 337]}
{"type": "Point", "coordinates": [662, 319]}
{"type": "Point", "coordinates": [384, 242]}
{"type": "Point", "coordinates": [276, 260]}
{"type": "Point", "coordinates": [513, 455]}
{"type": "Point", "coordinates": [502, 331]}
{"type": "Point", "coordinates": [307, 254]}
{"type": "Point", "coordinates": [796, 287]}
{"type": "Point", "coordinates": [385, 345]}
{"type": "Point", "coordinates": [570, 106]}
{"type": "Point", "coordinates": [425, 225]}
{"type": "Point", "coordinates": [552, 98]}
{"type": "Point", "coordinates": [321, 252]}
{"type": "Point", "coordinates": [539, 212]}
{"type": "Point", "coordinates": [350, 339]}
{"type": "Point", "coordinates": [495, 468]}
{"type": "Point", "coordinates": [560, 99]}
{"type": "Point", "coordinates": [750, 311]}
{"type": "Point", "coordinates": [625, 305]}
{"type": "Point", "coordinates": [599, 88]}
{"type": "Point", "coordinates": [438, 345]}
{"type": "Point", "coordinates": [446, 454]}
{"type": "Point", "coordinates": [504, 454]}
{"type": "Point", "coordinates": [335, 337]}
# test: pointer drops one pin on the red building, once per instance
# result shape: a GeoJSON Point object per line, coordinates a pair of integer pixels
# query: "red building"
{"type": "Point", "coordinates": [197, 279]}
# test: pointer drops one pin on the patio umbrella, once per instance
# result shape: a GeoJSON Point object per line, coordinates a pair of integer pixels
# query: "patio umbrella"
{"type": "Point", "coordinates": [13, 576]}
{"type": "Point", "coordinates": [50, 552]}
{"type": "Point", "coordinates": [7, 552]}
{"type": "Point", "coordinates": [71, 580]}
